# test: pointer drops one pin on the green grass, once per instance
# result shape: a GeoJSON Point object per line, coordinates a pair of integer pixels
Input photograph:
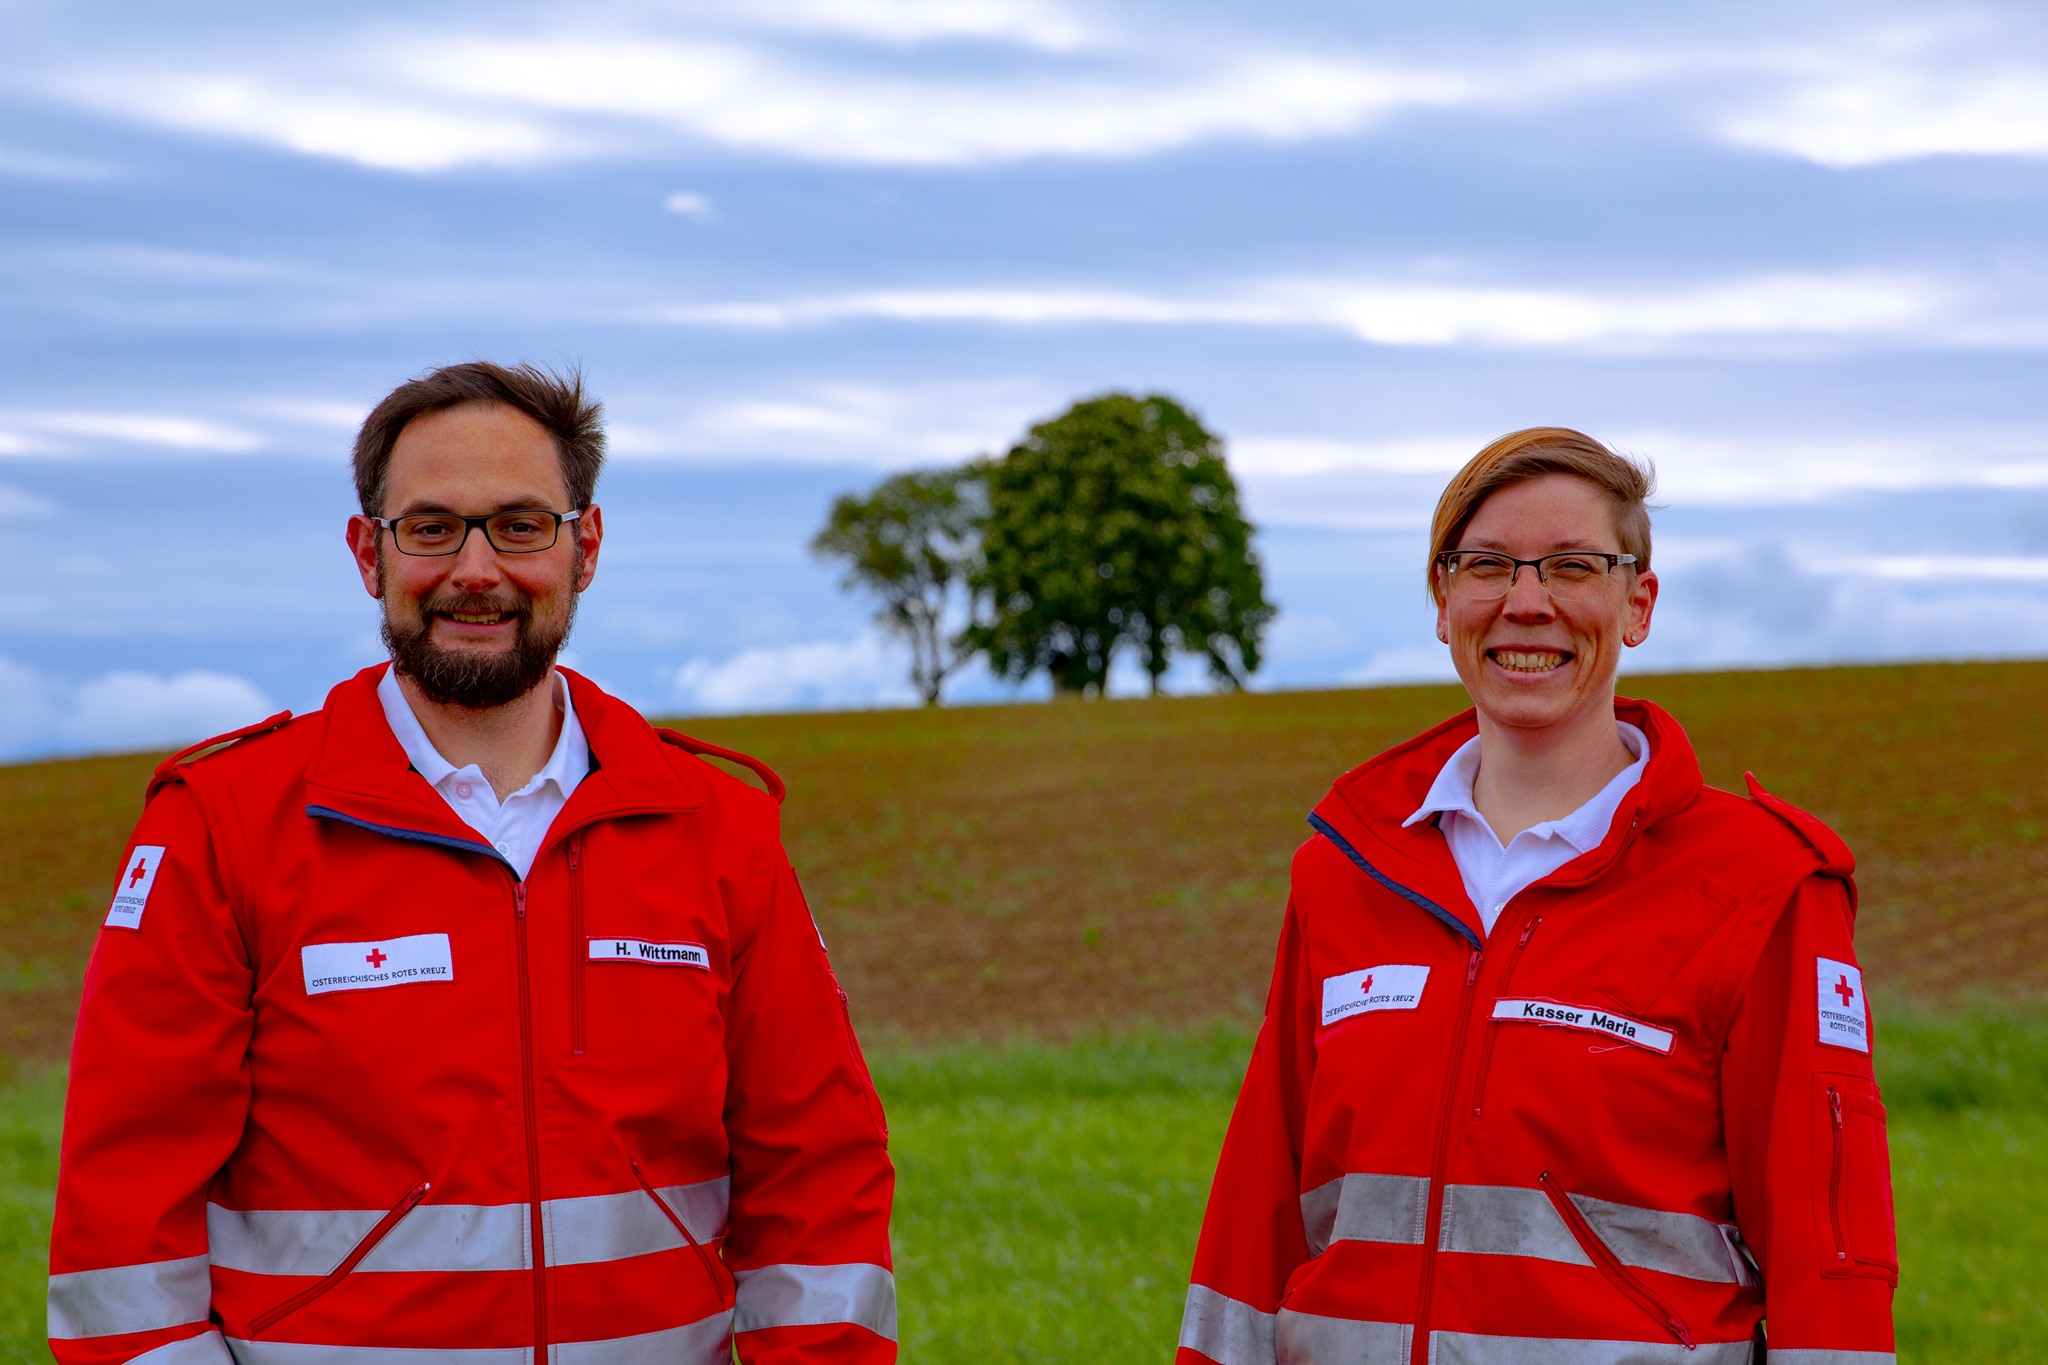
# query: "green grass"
{"type": "Point", "coordinates": [1049, 1195]}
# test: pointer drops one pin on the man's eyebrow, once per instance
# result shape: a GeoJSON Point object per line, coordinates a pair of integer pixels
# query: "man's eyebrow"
{"type": "Point", "coordinates": [530, 503]}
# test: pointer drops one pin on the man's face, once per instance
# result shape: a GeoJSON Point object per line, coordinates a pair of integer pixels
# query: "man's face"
{"type": "Point", "coordinates": [480, 627]}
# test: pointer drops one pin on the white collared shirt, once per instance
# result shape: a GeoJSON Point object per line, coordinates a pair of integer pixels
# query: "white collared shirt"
{"type": "Point", "coordinates": [1494, 875]}
{"type": "Point", "coordinates": [517, 825]}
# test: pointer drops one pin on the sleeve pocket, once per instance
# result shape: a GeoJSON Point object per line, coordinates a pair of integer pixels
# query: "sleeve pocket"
{"type": "Point", "coordinates": [1856, 1229]}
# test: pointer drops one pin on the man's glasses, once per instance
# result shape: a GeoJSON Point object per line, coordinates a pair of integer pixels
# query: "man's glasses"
{"type": "Point", "coordinates": [1571, 576]}
{"type": "Point", "coordinates": [523, 532]}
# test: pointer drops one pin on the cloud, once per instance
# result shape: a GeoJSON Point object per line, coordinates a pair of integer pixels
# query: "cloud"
{"type": "Point", "coordinates": [18, 504]}
{"type": "Point", "coordinates": [838, 423]}
{"type": "Point", "coordinates": [42, 433]}
{"type": "Point", "coordinates": [689, 204]}
{"type": "Point", "coordinates": [434, 101]}
{"type": "Point", "coordinates": [1025, 22]}
{"type": "Point", "coordinates": [866, 670]}
{"type": "Point", "coordinates": [1389, 313]}
{"type": "Point", "coordinates": [1864, 112]}
{"type": "Point", "coordinates": [1405, 663]}
{"type": "Point", "coordinates": [120, 711]}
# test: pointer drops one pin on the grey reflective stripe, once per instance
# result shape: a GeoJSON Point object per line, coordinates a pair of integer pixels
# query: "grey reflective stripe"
{"type": "Point", "coordinates": [1366, 1208]}
{"type": "Point", "coordinates": [312, 1242]}
{"type": "Point", "coordinates": [1509, 1220]}
{"type": "Point", "coordinates": [453, 1237]}
{"type": "Point", "coordinates": [809, 1295]}
{"type": "Point", "coordinates": [205, 1349]}
{"type": "Point", "coordinates": [1226, 1331]}
{"type": "Point", "coordinates": [129, 1298]}
{"type": "Point", "coordinates": [1305, 1339]}
{"type": "Point", "coordinates": [707, 1342]}
{"type": "Point", "coordinates": [1821, 1355]}
{"type": "Point", "coordinates": [1462, 1348]}
{"type": "Point", "coordinates": [611, 1227]}
{"type": "Point", "coordinates": [306, 1353]}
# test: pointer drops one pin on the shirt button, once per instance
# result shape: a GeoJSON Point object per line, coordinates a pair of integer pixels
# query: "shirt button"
{"type": "Point", "coordinates": [462, 789]}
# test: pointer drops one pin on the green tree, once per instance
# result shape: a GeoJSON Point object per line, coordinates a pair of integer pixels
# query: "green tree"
{"type": "Point", "coordinates": [910, 542]}
{"type": "Point", "coordinates": [1116, 523]}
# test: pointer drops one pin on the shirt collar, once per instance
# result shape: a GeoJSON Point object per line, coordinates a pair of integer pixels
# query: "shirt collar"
{"type": "Point", "coordinates": [568, 765]}
{"type": "Point", "coordinates": [1583, 829]}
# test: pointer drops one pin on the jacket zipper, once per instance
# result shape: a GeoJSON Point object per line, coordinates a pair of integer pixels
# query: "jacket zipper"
{"type": "Point", "coordinates": [1441, 1159]}
{"type": "Point", "coordinates": [532, 1106]}
{"type": "Point", "coordinates": [579, 948]}
{"type": "Point", "coordinates": [1610, 1265]}
{"type": "Point", "coordinates": [1493, 1025]}
{"type": "Point", "coordinates": [1835, 1176]}
{"type": "Point", "coordinates": [269, 1317]}
{"type": "Point", "coordinates": [703, 1256]}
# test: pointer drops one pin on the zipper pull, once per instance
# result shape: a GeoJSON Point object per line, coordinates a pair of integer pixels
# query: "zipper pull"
{"type": "Point", "coordinates": [1528, 931]}
{"type": "Point", "coordinates": [1472, 968]}
{"type": "Point", "coordinates": [575, 850]}
{"type": "Point", "coordinates": [419, 1192]}
{"type": "Point", "coordinates": [1835, 1107]}
{"type": "Point", "coordinates": [1681, 1331]}
{"type": "Point", "coordinates": [519, 899]}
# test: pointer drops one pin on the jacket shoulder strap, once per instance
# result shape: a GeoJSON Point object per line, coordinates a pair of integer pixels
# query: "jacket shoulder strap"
{"type": "Point", "coordinates": [169, 770]}
{"type": "Point", "coordinates": [1836, 859]}
{"type": "Point", "coordinates": [706, 749]}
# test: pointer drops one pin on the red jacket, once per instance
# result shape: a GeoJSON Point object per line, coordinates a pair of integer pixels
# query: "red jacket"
{"type": "Point", "coordinates": [615, 1110]}
{"type": "Point", "coordinates": [1625, 1127]}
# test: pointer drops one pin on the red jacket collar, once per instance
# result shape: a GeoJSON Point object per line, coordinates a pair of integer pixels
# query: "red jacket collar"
{"type": "Point", "coordinates": [1365, 807]}
{"type": "Point", "coordinates": [359, 767]}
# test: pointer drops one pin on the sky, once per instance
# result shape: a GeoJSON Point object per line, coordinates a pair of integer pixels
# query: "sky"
{"type": "Point", "coordinates": [1792, 253]}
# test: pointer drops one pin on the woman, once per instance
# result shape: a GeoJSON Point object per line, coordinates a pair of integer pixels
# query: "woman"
{"type": "Point", "coordinates": [1566, 1057]}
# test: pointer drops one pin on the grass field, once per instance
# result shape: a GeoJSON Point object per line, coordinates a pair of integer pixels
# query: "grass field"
{"type": "Point", "coordinates": [1049, 1195]}
{"type": "Point", "coordinates": [1065, 869]}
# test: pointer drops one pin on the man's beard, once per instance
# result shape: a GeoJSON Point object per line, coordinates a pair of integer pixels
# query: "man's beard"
{"type": "Point", "coordinates": [476, 679]}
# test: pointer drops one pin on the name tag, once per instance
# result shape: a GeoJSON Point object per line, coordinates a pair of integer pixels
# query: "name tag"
{"type": "Point", "coordinates": [376, 962]}
{"type": "Point", "coordinates": [1395, 986]}
{"type": "Point", "coordinates": [655, 954]}
{"type": "Point", "coordinates": [1615, 1026]}
{"type": "Point", "coordinates": [1844, 1018]}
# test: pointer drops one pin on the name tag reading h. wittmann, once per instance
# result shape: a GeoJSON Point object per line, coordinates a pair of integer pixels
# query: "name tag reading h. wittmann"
{"type": "Point", "coordinates": [654, 954]}
{"type": "Point", "coordinates": [1619, 1027]}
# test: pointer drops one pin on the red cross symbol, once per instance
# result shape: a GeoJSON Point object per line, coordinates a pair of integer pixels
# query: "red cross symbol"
{"type": "Point", "coordinates": [1367, 987]}
{"type": "Point", "coordinates": [376, 957]}
{"type": "Point", "coordinates": [1845, 990]}
{"type": "Point", "coordinates": [141, 867]}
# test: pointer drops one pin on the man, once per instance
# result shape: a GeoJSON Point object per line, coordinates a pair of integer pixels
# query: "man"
{"type": "Point", "coordinates": [468, 1019]}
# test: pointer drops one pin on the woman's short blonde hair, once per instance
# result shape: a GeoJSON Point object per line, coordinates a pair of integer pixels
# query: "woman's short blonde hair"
{"type": "Point", "coordinates": [1530, 454]}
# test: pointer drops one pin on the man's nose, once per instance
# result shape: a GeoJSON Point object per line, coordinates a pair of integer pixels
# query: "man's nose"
{"type": "Point", "coordinates": [476, 560]}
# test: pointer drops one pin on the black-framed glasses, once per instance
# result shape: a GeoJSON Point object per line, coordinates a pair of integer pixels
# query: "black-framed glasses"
{"type": "Point", "coordinates": [523, 532]}
{"type": "Point", "coordinates": [1570, 575]}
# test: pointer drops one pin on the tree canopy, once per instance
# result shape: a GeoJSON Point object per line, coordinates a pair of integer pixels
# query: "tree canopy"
{"type": "Point", "coordinates": [911, 542]}
{"type": "Point", "coordinates": [1116, 523]}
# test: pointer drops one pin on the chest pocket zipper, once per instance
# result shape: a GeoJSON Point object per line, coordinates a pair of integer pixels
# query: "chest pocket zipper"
{"type": "Point", "coordinates": [1619, 1275]}
{"type": "Point", "coordinates": [271, 1316]}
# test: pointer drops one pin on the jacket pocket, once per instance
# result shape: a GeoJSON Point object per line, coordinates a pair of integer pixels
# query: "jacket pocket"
{"type": "Point", "coordinates": [1852, 1197]}
{"type": "Point", "coordinates": [1620, 1276]}
{"type": "Point", "coordinates": [276, 1313]}
{"type": "Point", "coordinates": [723, 1286]}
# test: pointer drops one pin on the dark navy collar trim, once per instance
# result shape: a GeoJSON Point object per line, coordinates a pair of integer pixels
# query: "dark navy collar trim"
{"type": "Point", "coordinates": [418, 836]}
{"type": "Point", "coordinates": [1464, 930]}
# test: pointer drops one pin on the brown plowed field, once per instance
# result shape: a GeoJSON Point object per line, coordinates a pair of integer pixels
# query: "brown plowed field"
{"type": "Point", "coordinates": [1060, 868]}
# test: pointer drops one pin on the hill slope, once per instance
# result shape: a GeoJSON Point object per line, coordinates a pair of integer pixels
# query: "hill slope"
{"type": "Point", "coordinates": [1059, 868]}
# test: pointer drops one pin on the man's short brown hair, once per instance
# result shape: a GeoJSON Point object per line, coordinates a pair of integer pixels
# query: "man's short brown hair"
{"type": "Point", "coordinates": [1530, 454]}
{"type": "Point", "coordinates": [555, 401]}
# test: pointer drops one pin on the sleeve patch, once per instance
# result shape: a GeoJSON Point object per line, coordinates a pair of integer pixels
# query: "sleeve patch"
{"type": "Point", "coordinates": [1844, 1017]}
{"type": "Point", "coordinates": [131, 894]}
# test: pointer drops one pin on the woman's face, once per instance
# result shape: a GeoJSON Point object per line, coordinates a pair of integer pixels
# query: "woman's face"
{"type": "Point", "coordinates": [1529, 661]}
